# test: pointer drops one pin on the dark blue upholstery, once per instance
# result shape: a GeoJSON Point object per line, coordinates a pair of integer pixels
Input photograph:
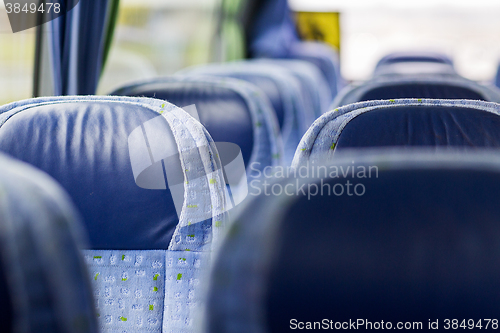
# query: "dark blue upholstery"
{"type": "Point", "coordinates": [44, 286]}
{"type": "Point", "coordinates": [422, 126]}
{"type": "Point", "coordinates": [435, 86]}
{"type": "Point", "coordinates": [223, 112]}
{"type": "Point", "coordinates": [83, 145]}
{"type": "Point", "coordinates": [421, 90]}
{"type": "Point", "coordinates": [412, 248]}
{"type": "Point", "coordinates": [422, 242]}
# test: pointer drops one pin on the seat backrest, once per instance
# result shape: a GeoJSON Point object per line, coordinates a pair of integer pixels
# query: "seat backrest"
{"type": "Point", "coordinates": [415, 56]}
{"type": "Point", "coordinates": [419, 245]}
{"type": "Point", "coordinates": [416, 86]}
{"type": "Point", "coordinates": [44, 285]}
{"type": "Point", "coordinates": [282, 88]}
{"type": "Point", "coordinates": [323, 56]}
{"type": "Point", "coordinates": [115, 156]}
{"type": "Point", "coordinates": [231, 110]}
{"type": "Point", "coordinates": [413, 122]}
{"type": "Point", "coordinates": [312, 81]}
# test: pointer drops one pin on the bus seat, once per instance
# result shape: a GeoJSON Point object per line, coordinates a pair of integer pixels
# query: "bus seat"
{"type": "Point", "coordinates": [231, 110]}
{"type": "Point", "coordinates": [44, 284]}
{"type": "Point", "coordinates": [282, 88]}
{"type": "Point", "coordinates": [311, 79]}
{"type": "Point", "coordinates": [420, 245]}
{"type": "Point", "coordinates": [115, 156]}
{"type": "Point", "coordinates": [416, 86]}
{"type": "Point", "coordinates": [323, 56]}
{"type": "Point", "coordinates": [403, 123]}
{"type": "Point", "coordinates": [415, 56]}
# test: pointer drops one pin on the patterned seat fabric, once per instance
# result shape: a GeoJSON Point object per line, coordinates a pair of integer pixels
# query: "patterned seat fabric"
{"type": "Point", "coordinates": [412, 122]}
{"type": "Point", "coordinates": [231, 110]}
{"type": "Point", "coordinates": [438, 86]}
{"type": "Point", "coordinates": [414, 235]}
{"type": "Point", "coordinates": [147, 251]}
{"type": "Point", "coordinates": [44, 285]}
{"type": "Point", "coordinates": [282, 88]}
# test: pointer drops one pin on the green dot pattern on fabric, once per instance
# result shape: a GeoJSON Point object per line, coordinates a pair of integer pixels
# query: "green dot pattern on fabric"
{"type": "Point", "coordinates": [182, 259]}
{"type": "Point", "coordinates": [123, 257]}
{"type": "Point", "coordinates": [192, 236]}
{"type": "Point", "coordinates": [179, 276]}
{"type": "Point", "coordinates": [124, 279]}
{"type": "Point", "coordinates": [95, 277]}
{"type": "Point", "coordinates": [218, 224]}
{"type": "Point", "coordinates": [303, 149]}
{"type": "Point", "coordinates": [155, 278]}
{"type": "Point", "coordinates": [420, 100]}
{"type": "Point", "coordinates": [392, 100]}
{"type": "Point", "coordinates": [212, 181]}
{"type": "Point", "coordinates": [123, 319]}
{"type": "Point", "coordinates": [155, 289]}
{"type": "Point", "coordinates": [97, 257]}
{"type": "Point", "coordinates": [151, 307]}
{"type": "Point", "coordinates": [192, 206]}
{"type": "Point", "coordinates": [332, 146]}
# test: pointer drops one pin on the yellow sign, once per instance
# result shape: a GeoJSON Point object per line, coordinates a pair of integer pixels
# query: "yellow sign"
{"type": "Point", "coordinates": [319, 26]}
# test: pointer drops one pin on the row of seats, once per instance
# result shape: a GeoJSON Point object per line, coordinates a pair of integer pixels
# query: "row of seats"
{"type": "Point", "coordinates": [148, 255]}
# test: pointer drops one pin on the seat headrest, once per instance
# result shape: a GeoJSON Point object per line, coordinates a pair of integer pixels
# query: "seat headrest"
{"type": "Point", "coordinates": [415, 56]}
{"type": "Point", "coordinates": [43, 278]}
{"type": "Point", "coordinates": [231, 110]}
{"type": "Point", "coordinates": [420, 243]}
{"type": "Point", "coordinates": [97, 148]}
{"type": "Point", "coordinates": [416, 86]}
{"type": "Point", "coordinates": [412, 122]}
{"type": "Point", "coordinates": [415, 68]}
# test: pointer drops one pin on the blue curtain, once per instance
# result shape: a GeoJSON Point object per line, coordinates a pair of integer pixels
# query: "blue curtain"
{"type": "Point", "coordinates": [76, 46]}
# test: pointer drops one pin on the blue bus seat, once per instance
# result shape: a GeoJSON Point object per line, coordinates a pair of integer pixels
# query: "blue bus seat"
{"type": "Point", "coordinates": [312, 82]}
{"type": "Point", "coordinates": [323, 56]}
{"type": "Point", "coordinates": [231, 110]}
{"type": "Point", "coordinates": [282, 88]}
{"type": "Point", "coordinates": [146, 257]}
{"type": "Point", "coordinates": [420, 245]}
{"type": "Point", "coordinates": [403, 123]}
{"type": "Point", "coordinates": [416, 86]}
{"type": "Point", "coordinates": [44, 284]}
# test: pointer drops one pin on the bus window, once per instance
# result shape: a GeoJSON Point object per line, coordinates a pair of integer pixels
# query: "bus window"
{"type": "Point", "coordinates": [159, 37]}
{"type": "Point", "coordinates": [16, 61]}
{"type": "Point", "coordinates": [465, 30]}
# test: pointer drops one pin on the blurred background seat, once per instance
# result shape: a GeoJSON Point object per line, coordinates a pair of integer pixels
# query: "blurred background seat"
{"type": "Point", "coordinates": [416, 86]}
{"type": "Point", "coordinates": [282, 88]}
{"type": "Point", "coordinates": [231, 110]}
